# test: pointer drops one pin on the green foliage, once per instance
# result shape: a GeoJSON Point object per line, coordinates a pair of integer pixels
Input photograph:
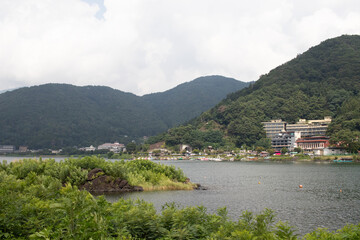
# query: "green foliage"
{"type": "Point", "coordinates": [40, 207]}
{"type": "Point", "coordinates": [345, 127]}
{"type": "Point", "coordinates": [190, 99]}
{"type": "Point", "coordinates": [65, 116]}
{"type": "Point", "coordinates": [131, 147]}
{"type": "Point", "coordinates": [347, 139]}
{"type": "Point", "coordinates": [123, 156]}
{"type": "Point", "coordinates": [284, 150]}
{"type": "Point", "coordinates": [74, 171]}
{"type": "Point", "coordinates": [297, 149]}
{"type": "Point", "coordinates": [195, 138]}
{"type": "Point", "coordinates": [271, 151]}
{"type": "Point", "coordinates": [152, 172]}
{"type": "Point", "coordinates": [263, 142]}
{"type": "Point", "coordinates": [348, 232]}
{"type": "Point", "coordinates": [313, 85]}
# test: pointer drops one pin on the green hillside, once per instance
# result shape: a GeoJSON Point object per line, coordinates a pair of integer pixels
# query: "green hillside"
{"type": "Point", "coordinates": [55, 115]}
{"type": "Point", "coordinates": [313, 85]}
{"type": "Point", "coordinates": [189, 100]}
{"type": "Point", "coordinates": [59, 115]}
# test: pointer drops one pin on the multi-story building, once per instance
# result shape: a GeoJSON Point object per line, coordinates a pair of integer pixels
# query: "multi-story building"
{"type": "Point", "coordinates": [303, 128]}
{"type": "Point", "coordinates": [7, 148]}
{"type": "Point", "coordinates": [274, 127]}
{"type": "Point", "coordinates": [283, 140]}
{"type": "Point", "coordinates": [23, 149]}
{"type": "Point", "coordinates": [114, 147]}
{"type": "Point", "coordinates": [308, 128]}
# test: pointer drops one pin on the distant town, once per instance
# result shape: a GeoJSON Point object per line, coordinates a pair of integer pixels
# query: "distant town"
{"type": "Point", "coordinates": [112, 147]}
{"type": "Point", "coordinates": [305, 136]}
{"type": "Point", "coordinates": [308, 135]}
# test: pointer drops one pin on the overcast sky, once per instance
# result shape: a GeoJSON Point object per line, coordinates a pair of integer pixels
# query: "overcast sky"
{"type": "Point", "coordinates": [144, 46]}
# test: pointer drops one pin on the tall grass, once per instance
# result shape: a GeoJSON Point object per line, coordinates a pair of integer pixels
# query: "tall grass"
{"type": "Point", "coordinates": [144, 173]}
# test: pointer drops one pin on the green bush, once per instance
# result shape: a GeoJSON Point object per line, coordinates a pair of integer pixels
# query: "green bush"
{"type": "Point", "coordinates": [149, 175]}
{"type": "Point", "coordinates": [39, 207]}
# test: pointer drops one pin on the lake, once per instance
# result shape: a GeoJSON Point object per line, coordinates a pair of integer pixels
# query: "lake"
{"type": "Point", "coordinates": [254, 186]}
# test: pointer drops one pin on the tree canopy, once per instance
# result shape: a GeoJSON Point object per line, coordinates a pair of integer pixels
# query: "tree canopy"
{"type": "Point", "coordinates": [61, 115]}
{"type": "Point", "coordinates": [313, 85]}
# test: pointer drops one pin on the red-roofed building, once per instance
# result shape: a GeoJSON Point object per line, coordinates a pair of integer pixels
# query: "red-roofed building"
{"type": "Point", "coordinates": [309, 144]}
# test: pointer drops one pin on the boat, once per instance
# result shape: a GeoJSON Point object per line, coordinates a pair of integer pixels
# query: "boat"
{"type": "Point", "coordinates": [343, 160]}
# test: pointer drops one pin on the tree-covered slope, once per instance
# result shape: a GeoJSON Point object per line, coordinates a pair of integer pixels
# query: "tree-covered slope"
{"type": "Point", "coordinates": [56, 115]}
{"type": "Point", "coordinates": [345, 127]}
{"type": "Point", "coordinates": [190, 99]}
{"type": "Point", "coordinates": [311, 86]}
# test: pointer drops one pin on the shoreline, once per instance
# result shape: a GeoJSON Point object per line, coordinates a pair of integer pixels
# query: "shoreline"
{"type": "Point", "coordinates": [354, 158]}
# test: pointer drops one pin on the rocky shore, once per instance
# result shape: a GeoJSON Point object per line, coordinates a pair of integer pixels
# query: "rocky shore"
{"type": "Point", "coordinates": [97, 182]}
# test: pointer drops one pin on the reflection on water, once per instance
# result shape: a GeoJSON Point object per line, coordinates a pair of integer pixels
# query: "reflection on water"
{"type": "Point", "coordinates": [254, 186]}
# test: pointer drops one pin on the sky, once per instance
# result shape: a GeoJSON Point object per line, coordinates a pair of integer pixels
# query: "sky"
{"type": "Point", "coordinates": [147, 46]}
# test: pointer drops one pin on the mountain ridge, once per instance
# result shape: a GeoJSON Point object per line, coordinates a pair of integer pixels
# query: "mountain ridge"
{"type": "Point", "coordinates": [57, 115]}
{"type": "Point", "coordinates": [314, 84]}
{"type": "Point", "coordinates": [167, 102]}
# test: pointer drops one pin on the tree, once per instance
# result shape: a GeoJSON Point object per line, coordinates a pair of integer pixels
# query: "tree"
{"type": "Point", "coordinates": [284, 150]}
{"type": "Point", "coordinates": [297, 149]}
{"type": "Point", "coordinates": [347, 139]}
{"type": "Point", "coordinates": [263, 142]}
{"type": "Point", "coordinates": [110, 154]}
{"type": "Point", "coordinates": [131, 147]}
{"type": "Point", "coordinates": [196, 151]}
{"type": "Point", "coordinates": [259, 149]}
{"type": "Point", "coordinates": [271, 151]}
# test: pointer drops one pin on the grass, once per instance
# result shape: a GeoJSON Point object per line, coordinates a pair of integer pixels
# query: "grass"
{"type": "Point", "coordinates": [168, 186]}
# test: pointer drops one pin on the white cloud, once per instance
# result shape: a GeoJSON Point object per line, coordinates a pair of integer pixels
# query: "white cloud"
{"type": "Point", "coordinates": [144, 46]}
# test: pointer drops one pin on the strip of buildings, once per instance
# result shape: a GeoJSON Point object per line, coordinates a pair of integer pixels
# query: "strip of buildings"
{"type": "Point", "coordinates": [7, 148]}
{"type": "Point", "coordinates": [309, 135]}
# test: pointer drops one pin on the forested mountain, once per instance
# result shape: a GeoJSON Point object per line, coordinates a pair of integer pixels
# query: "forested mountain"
{"type": "Point", "coordinates": [190, 99]}
{"type": "Point", "coordinates": [58, 115]}
{"type": "Point", "coordinates": [64, 115]}
{"type": "Point", "coordinates": [313, 85]}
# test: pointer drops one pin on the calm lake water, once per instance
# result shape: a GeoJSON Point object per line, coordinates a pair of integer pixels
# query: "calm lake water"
{"type": "Point", "coordinates": [254, 186]}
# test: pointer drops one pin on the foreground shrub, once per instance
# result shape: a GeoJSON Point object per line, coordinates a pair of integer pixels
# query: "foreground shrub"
{"type": "Point", "coordinates": [144, 173]}
{"type": "Point", "coordinates": [34, 205]}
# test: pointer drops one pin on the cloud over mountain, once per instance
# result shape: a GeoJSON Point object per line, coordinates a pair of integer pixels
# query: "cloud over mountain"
{"type": "Point", "coordinates": [148, 46]}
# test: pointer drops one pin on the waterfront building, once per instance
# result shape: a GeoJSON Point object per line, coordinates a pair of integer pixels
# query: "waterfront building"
{"type": "Point", "coordinates": [90, 149]}
{"type": "Point", "coordinates": [275, 130]}
{"type": "Point", "coordinates": [315, 144]}
{"type": "Point", "coordinates": [113, 147]}
{"type": "Point", "coordinates": [7, 148]}
{"type": "Point", "coordinates": [158, 148]}
{"type": "Point", "coordinates": [23, 149]}
{"type": "Point", "coordinates": [334, 151]}
{"type": "Point", "coordinates": [263, 154]}
{"type": "Point", "coordinates": [283, 140]}
{"type": "Point", "coordinates": [308, 128]}
{"type": "Point", "coordinates": [274, 127]}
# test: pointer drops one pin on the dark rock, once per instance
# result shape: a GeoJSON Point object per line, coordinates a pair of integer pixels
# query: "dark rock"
{"type": "Point", "coordinates": [138, 189]}
{"type": "Point", "coordinates": [199, 187]}
{"type": "Point", "coordinates": [95, 173]}
{"type": "Point", "coordinates": [98, 182]}
{"type": "Point", "coordinates": [123, 183]}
